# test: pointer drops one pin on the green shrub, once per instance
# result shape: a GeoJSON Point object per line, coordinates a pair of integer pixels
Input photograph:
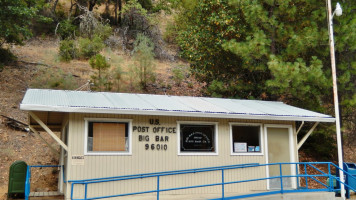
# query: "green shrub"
{"type": "Point", "coordinates": [66, 29]}
{"type": "Point", "coordinates": [6, 56]}
{"type": "Point", "coordinates": [68, 50]}
{"type": "Point", "coordinates": [90, 47]}
{"type": "Point", "coordinates": [101, 79]}
{"type": "Point", "coordinates": [178, 74]}
{"type": "Point", "coordinates": [117, 76]}
{"type": "Point", "coordinates": [144, 56]}
{"type": "Point", "coordinates": [53, 78]}
{"type": "Point", "coordinates": [170, 34]}
{"type": "Point", "coordinates": [103, 31]}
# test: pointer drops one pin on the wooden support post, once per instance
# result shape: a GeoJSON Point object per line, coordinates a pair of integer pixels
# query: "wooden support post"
{"type": "Point", "coordinates": [48, 130]}
{"type": "Point", "coordinates": [38, 134]}
{"type": "Point", "coordinates": [307, 135]}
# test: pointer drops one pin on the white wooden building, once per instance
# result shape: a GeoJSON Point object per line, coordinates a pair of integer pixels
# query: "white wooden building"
{"type": "Point", "coordinates": [112, 134]}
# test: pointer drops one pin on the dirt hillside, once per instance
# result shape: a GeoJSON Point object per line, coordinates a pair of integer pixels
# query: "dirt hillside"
{"type": "Point", "coordinates": [35, 60]}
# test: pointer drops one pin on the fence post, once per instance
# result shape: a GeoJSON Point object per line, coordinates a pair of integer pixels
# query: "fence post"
{"type": "Point", "coordinates": [306, 173]}
{"type": "Point", "coordinates": [157, 187]}
{"type": "Point", "coordinates": [280, 176]}
{"type": "Point", "coordinates": [222, 185]}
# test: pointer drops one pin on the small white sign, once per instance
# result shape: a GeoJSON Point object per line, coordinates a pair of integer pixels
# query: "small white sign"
{"type": "Point", "coordinates": [240, 147]}
{"type": "Point", "coordinates": [78, 160]}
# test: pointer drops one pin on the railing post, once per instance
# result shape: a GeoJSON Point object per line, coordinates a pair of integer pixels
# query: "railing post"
{"type": "Point", "coordinates": [297, 175]}
{"type": "Point", "coordinates": [86, 191]}
{"type": "Point", "coordinates": [306, 173]}
{"type": "Point", "coordinates": [223, 184]}
{"type": "Point", "coordinates": [28, 182]}
{"type": "Point", "coordinates": [157, 187]}
{"type": "Point", "coordinates": [331, 181]}
{"type": "Point", "coordinates": [71, 191]}
{"type": "Point", "coordinates": [280, 176]}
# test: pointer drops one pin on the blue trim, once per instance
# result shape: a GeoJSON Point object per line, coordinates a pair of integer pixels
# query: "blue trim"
{"type": "Point", "coordinates": [157, 175]}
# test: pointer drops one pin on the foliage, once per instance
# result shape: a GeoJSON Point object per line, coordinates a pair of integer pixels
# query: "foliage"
{"type": "Point", "coordinates": [68, 50]}
{"type": "Point", "coordinates": [321, 145]}
{"type": "Point", "coordinates": [90, 47]}
{"type": "Point", "coordinates": [54, 78]}
{"type": "Point", "coordinates": [178, 74]}
{"type": "Point", "coordinates": [100, 80]}
{"type": "Point", "coordinates": [6, 56]}
{"type": "Point", "coordinates": [15, 19]}
{"type": "Point", "coordinates": [143, 56]}
{"type": "Point", "coordinates": [66, 29]}
{"type": "Point", "coordinates": [117, 74]}
{"type": "Point", "coordinates": [146, 4]}
{"type": "Point", "coordinates": [171, 33]}
{"type": "Point", "coordinates": [136, 20]}
{"type": "Point", "coordinates": [201, 38]}
{"type": "Point", "coordinates": [273, 50]}
{"type": "Point", "coordinates": [92, 24]}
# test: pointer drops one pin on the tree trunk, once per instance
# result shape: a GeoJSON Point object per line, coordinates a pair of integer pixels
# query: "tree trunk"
{"type": "Point", "coordinates": [107, 6]}
{"type": "Point", "coordinates": [71, 9]}
{"type": "Point", "coordinates": [54, 7]}
{"type": "Point", "coordinates": [120, 9]}
{"type": "Point", "coordinates": [91, 5]}
{"type": "Point", "coordinates": [116, 4]}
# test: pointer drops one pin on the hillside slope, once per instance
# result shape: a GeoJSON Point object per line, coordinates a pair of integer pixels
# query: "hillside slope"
{"type": "Point", "coordinates": [37, 60]}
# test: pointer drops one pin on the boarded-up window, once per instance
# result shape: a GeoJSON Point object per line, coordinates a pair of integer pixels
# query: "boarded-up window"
{"type": "Point", "coordinates": [107, 136]}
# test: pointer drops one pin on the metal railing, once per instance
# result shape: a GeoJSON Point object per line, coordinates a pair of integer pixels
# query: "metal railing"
{"type": "Point", "coordinates": [298, 176]}
{"type": "Point", "coordinates": [28, 177]}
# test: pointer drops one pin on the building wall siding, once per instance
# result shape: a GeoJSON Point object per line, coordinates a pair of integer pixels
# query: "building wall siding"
{"type": "Point", "coordinates": [146, 161]}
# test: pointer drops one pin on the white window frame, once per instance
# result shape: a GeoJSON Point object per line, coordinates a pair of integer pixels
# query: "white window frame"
{"type": "Point", "coordinates": [86, 129]}
{"type": "Point", "coordinates": [180, 153]}
{"type": "Point", "coordinates": [261, 153]}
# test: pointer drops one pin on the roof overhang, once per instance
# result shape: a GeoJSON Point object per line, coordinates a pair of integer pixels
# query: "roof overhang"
{"type": "Point", "coordinates": [152, 112]}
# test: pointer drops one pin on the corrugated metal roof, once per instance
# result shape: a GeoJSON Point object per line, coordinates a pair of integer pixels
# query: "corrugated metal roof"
{"type": "Point", "coordinates": [146, 104]}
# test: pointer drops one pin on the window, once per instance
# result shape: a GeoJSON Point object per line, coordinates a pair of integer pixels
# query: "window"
{"type": "Point", "coordinates": [197, 138]}
{"type": "Point", "coordinates": [107, 136]}
{"type": "Point", "coordinates": [246, 139]}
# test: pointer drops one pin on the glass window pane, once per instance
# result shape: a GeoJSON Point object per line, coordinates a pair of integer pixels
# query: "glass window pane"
{"type": "Point", "coordinates": [246, 138]}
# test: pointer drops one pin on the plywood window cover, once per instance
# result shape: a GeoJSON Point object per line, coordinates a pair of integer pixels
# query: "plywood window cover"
{"type": "Point", "coordinates": [109, 136]}
{"type": "Point", "coordinates": [261, 153]}
{"type": "Point", "coordinates": [182, 153]}
{"type": "Point", "coordinates": [101, 149]}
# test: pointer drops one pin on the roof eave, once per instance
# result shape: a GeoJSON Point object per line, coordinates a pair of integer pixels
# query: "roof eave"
{"type": "Point", "coordinates": [29, 107]}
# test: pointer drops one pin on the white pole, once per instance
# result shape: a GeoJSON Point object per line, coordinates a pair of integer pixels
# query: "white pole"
{"type": "Point", "coordinates": [336, 100]}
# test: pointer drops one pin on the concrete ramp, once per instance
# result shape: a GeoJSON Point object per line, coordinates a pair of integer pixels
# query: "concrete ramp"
{"type": "Point", "coordinates": [298, 196]}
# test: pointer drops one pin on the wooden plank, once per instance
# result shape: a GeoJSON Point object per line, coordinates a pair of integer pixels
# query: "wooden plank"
{"type": "Point", "coordinates": [48, 130]}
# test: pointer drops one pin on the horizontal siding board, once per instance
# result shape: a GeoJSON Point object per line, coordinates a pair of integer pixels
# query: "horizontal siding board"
{"type": "Point", "coordinates": [146, 161]}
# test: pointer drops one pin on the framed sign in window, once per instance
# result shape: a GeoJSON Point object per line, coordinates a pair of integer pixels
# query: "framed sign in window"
{"type": "Point", "coordinates": [197, 138]}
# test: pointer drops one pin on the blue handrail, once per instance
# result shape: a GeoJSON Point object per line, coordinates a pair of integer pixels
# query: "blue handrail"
{"type": "Point", "coordinates": [223, 182]}
{"type": "Point", "coordinates": [28, 178]}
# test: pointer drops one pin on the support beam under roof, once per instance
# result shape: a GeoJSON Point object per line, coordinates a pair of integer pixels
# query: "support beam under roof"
{"type": "Point", "coordinates": [34, 116]}
{"type": "Point", "coordinates": [301, 142]}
